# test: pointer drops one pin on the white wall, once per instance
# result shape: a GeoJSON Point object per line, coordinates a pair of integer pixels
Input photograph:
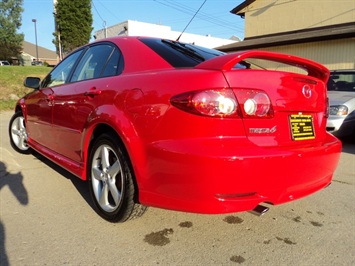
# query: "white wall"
{"type": "Point", "coordinates": [136, 28]}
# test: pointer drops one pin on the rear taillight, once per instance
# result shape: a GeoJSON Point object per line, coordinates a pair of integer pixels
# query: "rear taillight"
{"type": "Point", "coordinates": [219, 103]}
{"type": "Point", "coordinates": [225, 103]}
{"type": "Point", "coordinates": [254, 103]}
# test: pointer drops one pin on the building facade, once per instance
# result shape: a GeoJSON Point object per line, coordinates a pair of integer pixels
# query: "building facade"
{"type": "Point", "coordinates": [320, 30]}
{"type": "Point", "coordinates": [29, 54]}
{"type": "Point", "coordinates": [136, 28]}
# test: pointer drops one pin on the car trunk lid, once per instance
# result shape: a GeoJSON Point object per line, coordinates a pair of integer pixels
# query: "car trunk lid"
{"type": "Point", "coordinates": [295, 87]}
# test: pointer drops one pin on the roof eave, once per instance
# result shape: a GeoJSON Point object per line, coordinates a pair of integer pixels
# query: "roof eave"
{"type": "Point", "coordinates": [238, 10]}
{"type": "Point", "coordinates": [286, 38]}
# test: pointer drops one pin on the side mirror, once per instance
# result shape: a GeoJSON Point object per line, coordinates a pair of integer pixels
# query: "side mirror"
{"type": "Point", "coordinates": [32, 82]}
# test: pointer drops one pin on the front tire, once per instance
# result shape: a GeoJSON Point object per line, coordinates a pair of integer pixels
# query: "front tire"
{"type": "Point", "coordinates": [110, 179]}
{"type": "Point", "coordinates": [18, 133]}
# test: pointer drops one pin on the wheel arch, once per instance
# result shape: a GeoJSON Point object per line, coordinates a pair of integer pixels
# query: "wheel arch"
{"type": "Point", "coordinates": [130, 145]}
{"type": "Point", "coordinates": [21, 107]}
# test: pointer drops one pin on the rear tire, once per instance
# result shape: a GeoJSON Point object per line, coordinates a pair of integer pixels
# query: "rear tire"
{"type": "Point", "coordinates": [110, 179]}
{"type": "Point", "coordinates": [18, 133]}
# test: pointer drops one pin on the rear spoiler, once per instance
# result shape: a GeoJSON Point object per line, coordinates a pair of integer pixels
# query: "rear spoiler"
{"type": "Point", "coordinates": [228, 61]}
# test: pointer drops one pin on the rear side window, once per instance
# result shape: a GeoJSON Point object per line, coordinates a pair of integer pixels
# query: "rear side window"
{"type": "Point", "coordinates": [114, 65]}
{"type": "Point", "coordinates": [180, 54]}
{"type": "Point", "coordinates": [93, 63]}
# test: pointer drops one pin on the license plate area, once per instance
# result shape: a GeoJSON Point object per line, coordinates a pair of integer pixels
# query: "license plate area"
{"type": "Point", "coordinates": [301, 127]}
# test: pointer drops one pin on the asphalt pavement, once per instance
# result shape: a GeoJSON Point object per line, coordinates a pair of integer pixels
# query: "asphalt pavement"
{"type": "Point", "coordinates": [46, 218]}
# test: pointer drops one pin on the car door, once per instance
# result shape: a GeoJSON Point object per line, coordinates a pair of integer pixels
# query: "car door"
{"type": "Point", "coordinates": [73, 104]}
{"type": "Point", "coordinates": [40, 103]}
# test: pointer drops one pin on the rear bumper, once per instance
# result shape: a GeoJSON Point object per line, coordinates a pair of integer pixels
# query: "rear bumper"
{"type": "Point", "coordinates": [231, 175]}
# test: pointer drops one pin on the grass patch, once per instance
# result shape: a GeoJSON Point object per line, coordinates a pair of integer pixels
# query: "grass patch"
{"type": "Point", "coordinates": [11, 82]}
{"type": "Point", "coordinates": [7, 104]}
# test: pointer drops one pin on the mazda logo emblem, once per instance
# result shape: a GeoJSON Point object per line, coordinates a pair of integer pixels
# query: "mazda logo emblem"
{"type": "Point", "coordinates": [307, 91]}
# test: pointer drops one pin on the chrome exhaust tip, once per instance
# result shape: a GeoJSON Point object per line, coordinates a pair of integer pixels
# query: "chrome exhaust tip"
{"type": "Point", "coordinates": [259, 210]}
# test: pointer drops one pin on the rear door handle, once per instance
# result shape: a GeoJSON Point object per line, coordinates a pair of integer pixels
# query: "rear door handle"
{"type": "Point", "coordinates": [92, 92]}
{"type": "Point", "coordinates": [50, 97]}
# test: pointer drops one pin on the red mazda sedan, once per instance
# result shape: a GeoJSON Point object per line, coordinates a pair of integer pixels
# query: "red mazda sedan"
{"type": "Point", "coordinates": [154, 122]}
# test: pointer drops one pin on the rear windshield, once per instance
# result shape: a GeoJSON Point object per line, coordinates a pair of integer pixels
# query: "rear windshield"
{"type": "Point", "coordinates": [180, 54]}
{"type": "Point", "coordinates": [341, 81]}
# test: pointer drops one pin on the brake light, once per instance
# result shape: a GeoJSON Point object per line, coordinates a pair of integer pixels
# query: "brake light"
{"type": "Point", "coordinates": [254, 103]}
{"type": "Point", "coordinates": [225, 103]}
{"type": "Point", "coordinates": [219, 103]}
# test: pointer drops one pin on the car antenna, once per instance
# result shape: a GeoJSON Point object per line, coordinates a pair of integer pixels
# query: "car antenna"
{"type": "Point", "coordinates": [191, 20]}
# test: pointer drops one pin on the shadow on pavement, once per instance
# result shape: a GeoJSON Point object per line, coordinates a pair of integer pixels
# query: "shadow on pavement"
{"type": "Point", "coordinates": [348, 144]}
{"type": "Point", "coordinates": [80, 185]}
{"type": "Point", "coordinates": [15, 184]}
